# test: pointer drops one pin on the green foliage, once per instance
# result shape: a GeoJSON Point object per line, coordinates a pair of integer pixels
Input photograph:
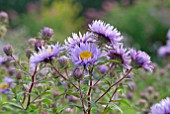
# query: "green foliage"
{"type": "Point", "coordinates": [61, 16]}
{"type": "Point", "coordinates": [146, 22]}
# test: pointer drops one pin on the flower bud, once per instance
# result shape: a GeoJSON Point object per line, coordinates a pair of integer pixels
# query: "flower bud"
{"type": "Point", "coordinates": [31, 41]}
{"type": "Point", "coordinates": [102, 69]}
{"type": "Point", "coordinates": [38, 45]}
{"type": "Point", "coordinates": [78, 74]}
{"type": "Point", "coordinates": [4, 17]}
{"type": "Point", "coordinates": [8, 50]}
{"type": "Point", "coordinates": [150, 89]}
{"type": "Point", "coordinates": [63, 62]}
{"type": "Point", "coordinates": [28, 53]}
{"type": "Point", "coordinates": [46, 33]}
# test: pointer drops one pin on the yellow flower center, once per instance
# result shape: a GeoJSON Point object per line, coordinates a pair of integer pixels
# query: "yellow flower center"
{"type": "Point", "coordinates": [50, 51]}
{"type": "Point", "coordinates": [85, 55]}
{"type": "Point", "coordinates": [3, 86]}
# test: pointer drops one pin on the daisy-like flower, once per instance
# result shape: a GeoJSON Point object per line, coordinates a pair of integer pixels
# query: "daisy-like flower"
{"type": "Point", "coordinates": [161, 108]}
{"type": "Point", "coordinates": [105, 32]}
{"type": "Point", "coordinates": [141, 59]}
{"type": "Point", "coordinates": [45, 54]}
{"type": "Point", "coordinates": [85, 54]}
{"type": "Point", "coordinates": [4, 86]}
{"type": "Point", "coordinates": [76, 39]}
{"type": "Point", "coordinates": [121, 54]}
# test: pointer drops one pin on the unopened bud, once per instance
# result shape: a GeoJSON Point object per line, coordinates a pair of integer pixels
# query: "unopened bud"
{"type": "Point", "coordinates": [32, 41]}
{"type": "Point", "coordinates": [3, 17]}
{"type": "Point", "coordinates": [47, 33]}
{"type": "Point", "coordinates": [150, 89]}
{"type": "Point", "coordinates": [63, 62]}
{"type": "Point", "coordinates": [38, 45]}
{"type": "Point", "coordinates": [28, 53]}
{"type": "Point", "coordinates": [8, 50]}
{"type": "Point", "coordinates": [102, 69]}
{"type": "Point", "coordinates": [78, 74]}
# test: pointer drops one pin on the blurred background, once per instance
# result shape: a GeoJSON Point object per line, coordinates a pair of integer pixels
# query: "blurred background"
{"type": "Point", "coordinates": [144, 23]}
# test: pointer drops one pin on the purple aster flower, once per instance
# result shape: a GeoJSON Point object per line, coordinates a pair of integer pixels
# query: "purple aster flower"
{"type": "Point", "coordinates": [76, 39]}
{"type": "Point", "coordinates": [121, 54]}
{"type": "Point", "coordinates": [4, 86]}
{"type": "Point", "coordinates": [105, 32]}
{"type": "Point", "coordinates": [85, 54]}
{"type": "Point", "coordinates": [1, 60]}
{"type": "Point", "coordinates": [141, 59]}
{"type": "Point", "coordinates": [161, 108]}
{"type": "Point", "coordinates": [164, 50]}
{"type": "Point", "coordinates": [45, 54]}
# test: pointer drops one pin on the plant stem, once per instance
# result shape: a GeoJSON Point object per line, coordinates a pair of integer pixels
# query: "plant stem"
{"type": "Point", "coordinates": [63, 75]}
{"type": "Point", "coordinates": [114, 92]}
{"type": "Point", "coordinates": [89, 92]}
{"type": "Point", "coordinates": [31, 87]}
{"type": "Point", "coordinates": [21, 67]}
{"type": "Point", "coordinates": [81, 98]}
{"type": "Point", "coordinates": [116, 83]}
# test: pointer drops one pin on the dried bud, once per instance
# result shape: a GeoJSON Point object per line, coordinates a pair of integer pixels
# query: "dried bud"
{"type": "Point", "coordinates": [8, 50]}
{"type": "Point", "coordinates": [32, 41]}
{"type": "Point", "coordinates": [18, 75]}
{"type": "Point", "coordinates": [3, 17]}
{"type": "Point", "coordinates": [72, 98]}
{"type": "Point", "coordinates": [63, 62]}
{"type": "Point", "coordinates": [28, 53]}
{"type": "Point", "coordinates": [142, 102]}
{"type": "Point", "coordinates": [47, 33]}
{"type": "Point", "coordinates": [78, 74]}
{"type": "Point", "coordinates": [38, 44]}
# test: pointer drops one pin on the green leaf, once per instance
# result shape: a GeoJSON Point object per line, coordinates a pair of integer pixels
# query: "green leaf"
{"type": "Point", "coordinates": [12, 104]}
{"type": "Point", "coordinates": [122, 101]}
{"type": "Point", "coordinates": [44, 100]}
{"type": "Point", "coordinates": [76, 105]}
{"type": "Point", "coordinates": [23, 72]}
{"type": "Point", "coordinates": [113, 107]}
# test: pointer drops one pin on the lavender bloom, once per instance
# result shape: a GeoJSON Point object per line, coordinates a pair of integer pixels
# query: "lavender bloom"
{"type": "Point", "coordinates": [106, 31]}
{"type": "Point", "coordinates": [1, 60]}
{"type": "Point", "coordinates": [45, 54]}
{"type": "Point", "coordinates": [7, 82]}
{"type": "Point", "coordinates": [168, 34]}
{"type": "Point", "coordinates": [164, 50]}
{"type": "Point", "coordinates": [102, 68]}
{"type": "Point", "coordinates": [77, 39]}
{"type": "Point", "coordinates": [85, 54]}
{"type": "Point", "coordinates": [121, 54]}
{"type": "Point", "coordinates": [161, 108]}
{"type": "Point", "coordinates": [141, 59]}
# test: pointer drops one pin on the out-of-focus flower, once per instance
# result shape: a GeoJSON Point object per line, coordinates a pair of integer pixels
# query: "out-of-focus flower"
{"type": "Point", "coordinates": [28, 53]}
{"type": "Point", "coordinates": [121, 55]}
{"type": "Point", "coordinates": [8, 50]}
{"type": "Point", "coordinates": [168, 34]}
{"type": "Point", "coordinates": [164, 51]}
{"type": "Point", "coordinates": [47, 33]}
{"type": "Point", "coordinates": [85, 54]}
{"type": "Point", "coordinates": [3, 17]}
{"type": "Point", "coordinates": [1, 60]}
{"type": "Point", "coordinates": [76, 39]}
{"type": "Point", "coordinates": [141, 60]}
{"type": "Point", "coordinates": [6, 84]}
{"type": "Point", "coordinates": [163, 107]}
{"type": "Point", "coordinates": [105, 32]}
{"type": "Point", "coordinates": [102, 68]}
{"type": "Point", "coordinates": [3, 31]}
{"type": "Point", "coordinates": [32, 41]}
{"type": "Point", "coordinates": [45, 54]}
{"type": "Point", "coordinates": [63, 62]}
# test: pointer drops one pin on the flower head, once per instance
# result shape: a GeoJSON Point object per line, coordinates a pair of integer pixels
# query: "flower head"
{"type": "Point", "coordinates": [161, 108]}
{"type": "Point", "coordinates": [77, 39]}
{"type": "Point", "coordinates": [4, 86]}
{"type": "Point", "coordinates": [164, 50]}
{"type": "Point", "coordinates": [168, 34]}
{"type": "Point", "coordinates": [105, 32]}
{"type": "Point", "coordinates": [121, 54]}
{"type": "Point", "coordinates": [47, 33]}
{"type": "Point", "coordinates": [141, 59]}
{"type": "Point", "coordinates": [85, 54]}
{"type": "Point", "coordinates": [45, 54]}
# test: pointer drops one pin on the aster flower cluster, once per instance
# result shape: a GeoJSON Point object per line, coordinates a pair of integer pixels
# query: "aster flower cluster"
{"type": "Point", "coordinates": [163, 107]}
{"type": "Point", "coordinates": [165, 50]}
{"type": "Point", "coordinates": [84, 59]}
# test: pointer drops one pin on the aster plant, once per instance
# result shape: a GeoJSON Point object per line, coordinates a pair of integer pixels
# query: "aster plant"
{"type": "Point", "coordinates": [91, 67]}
